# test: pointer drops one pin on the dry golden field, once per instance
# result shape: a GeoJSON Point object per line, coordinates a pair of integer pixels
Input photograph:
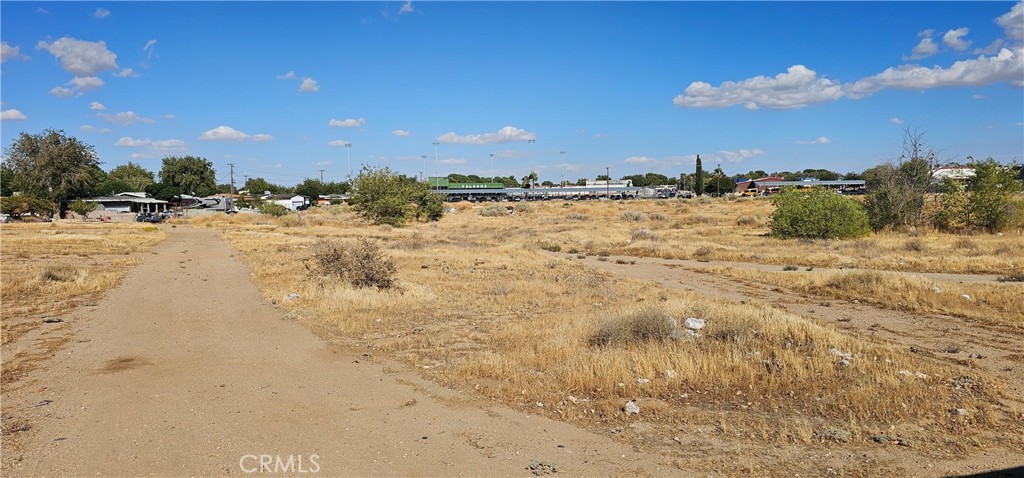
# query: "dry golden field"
{"type": "Point", "coordinates": [478, 305]}
{"type": "Point", "coordinates": [47, 269]}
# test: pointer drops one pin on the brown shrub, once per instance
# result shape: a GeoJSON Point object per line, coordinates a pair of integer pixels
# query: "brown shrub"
{"type": "Point", "coordinates": [645, 325]}
{"type": "Point", "coordinates": [361, 263]}
{"type": "Point", "coordinates": [60, 273]}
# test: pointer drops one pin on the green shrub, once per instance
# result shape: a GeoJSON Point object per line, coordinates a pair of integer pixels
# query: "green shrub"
{"type": "Point", "coordinates": [550, 247]}
{"type": "Point", "coordinates": [82, 208]}
{"type": "Point", "coordinates": [386, 197]}
{"type": "Point", "coordinates": [15, 206]}
{"type": "Point", "coordinates": [360, 263]}
{"type": "Point", "coordinates": [991, 204]}
{"type": "Point", "coordinates": [272, 209]}
{"type": "Point", "coordinates": [817, 213]}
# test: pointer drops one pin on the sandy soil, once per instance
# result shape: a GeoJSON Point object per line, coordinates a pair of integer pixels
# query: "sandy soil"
{"type": "Point", "coordinates": [184, 370]}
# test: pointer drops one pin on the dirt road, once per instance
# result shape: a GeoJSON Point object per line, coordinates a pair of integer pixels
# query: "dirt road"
{"type": "Point", "coordinates": [185, 370]}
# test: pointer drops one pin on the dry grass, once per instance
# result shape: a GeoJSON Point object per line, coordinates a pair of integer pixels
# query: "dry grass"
{"type": "Point", "coordinates": [477, 306]}
{"type": "Point", "coordinates": [51, 268]}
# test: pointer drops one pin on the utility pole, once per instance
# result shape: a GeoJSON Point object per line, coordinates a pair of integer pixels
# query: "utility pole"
{"type": "Point", "coordinates": [321, 175]}
{"type": "Point", "coordinates": [232, 165]}
{"type": "Point", "coordinates": [435, 143]}
{"type": "Point", "coordinates": [424, 170]}
{"type": "Point", "coordinates": [561, 168]}
{"type": "Point", "coordinates": [492, 166]}
{"type": "Point", "coordinates": [348, 154]}
{"type": "Point", "coordinates": [533, 157]}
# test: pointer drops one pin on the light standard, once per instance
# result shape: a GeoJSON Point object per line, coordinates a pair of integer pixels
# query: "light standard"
{"type": "Point", "coordinates": [348, 153]}
{"type": "Point", "coordinates": [435, 163]}
{"type": "Point", "coordinates": [533, 157]}
{"type": "Point", "coordinates": [424, 170]}
{"type": "Point", "coordinates": [561, 168]}
{"type": "Point", "coordinates": [492, 166]}
{"type": "Point", "coordinates": [607, 183]}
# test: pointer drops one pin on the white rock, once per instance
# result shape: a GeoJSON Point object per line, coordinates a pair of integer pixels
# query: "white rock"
{"type": "Point", "coordinates": [936, 289]}
{"type": "Point", "coordinates": [631, 408]}
{"type": "Point", "coordinates": [905, 373]}
{"type": "Point", "coordinates": [966, 297]}
{"type": "Point", "coordinates": [694, 323]}
{"type": "Point", "coordinates": [921, 375]}
{"type": "Point", "coordinates": [293, 296]}
{"type": "Point", "coordinates": [643, 381]}
{"type": "Point", "coordinates": [670, 373]}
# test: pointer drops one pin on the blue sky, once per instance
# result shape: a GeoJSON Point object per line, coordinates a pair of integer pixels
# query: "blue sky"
{"type": "Point", "coordinates": [277, 88]}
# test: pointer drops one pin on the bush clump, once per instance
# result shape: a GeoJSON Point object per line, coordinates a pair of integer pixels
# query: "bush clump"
{"type": "Point", "coordinates": [635, 216]}
{"type": "Point", "coordinates": [645, 325]}
{"type": "Point", "coordinates": [494, 210]}
{"type": "Point", "coordinates": [272, 209]}
{"type": "Point", "coordinates": [361, 263]}
{"type": "Point", "coordinates": [817, 213]}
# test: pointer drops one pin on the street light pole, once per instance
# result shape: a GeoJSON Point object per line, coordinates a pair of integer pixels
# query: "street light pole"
{"type": "Point", "coordinates": [492, 166]}
{"type": "Point", "coordinates": [533, 157]}
{"type": "Point", "coordinates": [436, 143]}
{"type": "Point", "coordinates": [424, 170]}
{"type": "Point", "coordinates": [561, 168]}
{"type": "Point", "coordinates": [607, 183]}
{"type": "Point", "coordinates": [348, 153]}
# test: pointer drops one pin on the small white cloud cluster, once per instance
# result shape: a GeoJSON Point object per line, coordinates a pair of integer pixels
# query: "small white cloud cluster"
{"type": "Point", "coordinates": [8, 52]}
{"type": "Point", "coordinates": [152, 148]}
{"type": "Point", "coordinates": [12, 115]}
{"type": "Point", "coordinates": [307, 85]}
{"type": "Point", "coordinates": [401, 132]}
{"type": "Point", "coordinates": [125, 118]}
{"type": "Point", "coordinates": [346, 123]}
{"type": "Point", "coordinates": [799, 86]}
{"type": "Point", "coordinates": [508, 134]}
{"type": "Point", "coordinates": [227, 133]}
{"type": "Point", "coordinates": [85, 60]}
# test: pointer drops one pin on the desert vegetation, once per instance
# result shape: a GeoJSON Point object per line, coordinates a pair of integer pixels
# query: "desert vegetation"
{"type": "Point", "coordinates": [501, 306]}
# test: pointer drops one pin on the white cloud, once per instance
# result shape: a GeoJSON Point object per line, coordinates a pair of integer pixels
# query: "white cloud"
{"type": "Point", "coordinates": [324, 163]}
{"type": "Point", "coordinates": [127, 73]}
{"type": "Point", "coordinates": [42, 11]}
{"type": "Point", "coordinates": [401, 132]}
{"type": "Point", "coordinates": [1008, 65]}
{"type": "Point", "coordinates": [101, 13]}
{"type": "Point", "coordinates": [152, 148]}
{"type": "Point", "coordinates": [348, 123]}
{"type": "Point", "coordinates": [223, 133]}
{"type": "Point", "coordinates": [452, 161]}
{"type": "Point", "coordinates": [88, 128]}
{"type": "Point", "coordinates": [796, 88]}
{"type": "Point", "coordinates": [79, 57]}
{"type": "Point", "coordinates": [508, 134]}
{"type": "Point", "coordinates": [61, 92]}
{"type": "Point", "coordinates": [125, 118]}
{"type": "Point", "coordinates": [149, 48]}
{"type": "Point", "coordinates": [83, 84]}
{"type": "Point", "coordinates": [406, 8]}
{"type": "Point", "coordinates": [895, 120]}
{"type": "Point", "coordinates": [128, 142]}
{"type": "Point", "coordinates": [992, 48]}
{"type": "Point", "coordinates": [820, 140]}
{"type": "Point", "coordinates": [309, 85]}
{"type": "Point", "coordinates": [925, 48]}
{"type": "Point", "coordinates": [287, 76]}
{"type": "Point", "coordinates": [638, 160]}
{"type": "Point", "coordinates": [954, 39]}
{"type": "Point", "coordinates": [338, 143]}
{"type": "Point", "coordinates": [262, 138]}
{"type": "Point", "coordinates": [12, 115]}
{"type": "Point", "coordinates": [169, 116]}
{"type": "Point", "coordinates": [737, 156]}
{"type": "Point", "coordinates": [1012, 22]}
{"type": "Point", "coordinates": [8, 52]}
{"type": "Point", "coordinates": [977, 97]}
{"type": "Point", "coordinates": [96, 105]}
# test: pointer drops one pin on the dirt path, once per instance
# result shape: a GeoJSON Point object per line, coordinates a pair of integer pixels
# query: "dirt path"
{"type": "Point", "coordinates": [185, 370]}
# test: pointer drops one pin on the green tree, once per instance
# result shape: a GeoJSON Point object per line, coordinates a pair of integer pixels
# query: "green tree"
{"type": "Point", "coordinates": [132, 175]}
{"type": "Point", "coordinates": [530, 180]}
{"type": "Point", "coordinates": [15, 206]}
{"type": "Point", "coordinates": [603, 177]}
{"type": "Point", "coordinates": [189, 175]}
{"type": "Point", "coordinates": [992, 204]}
{"type": "Point", "coordinates": [951, 213]}
{"type": "Point", "coordinates": [7, 180]}
{"type": "Point", "coordinates": [53, 166]}
{"type": "Point", "coordinates": [699, 188]}
{"type": "Point", "coordinates": [719, 183]}
{"type": "Point", "coordinates": [259, 186]}
{"type": "Point", "coordinates": [817, 213]}
{"type": "Point", "coordinates": [311, 188]}
{"type": "Point", "coordinates": [271, 208]}
{"type": "Point", "coordinates": [384, 197]}
{"type": "Point", "coordinates": [82, 208]}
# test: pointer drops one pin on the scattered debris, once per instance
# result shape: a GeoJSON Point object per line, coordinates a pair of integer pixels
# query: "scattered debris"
{"type": "Point", "coordinates": [643, 381]}
{"type": "Point", "coordinates": [52, 320]}
{"type": "Point", "coordinates": [837, 435]}
{"type": "Point", "coordinates": [670, 373]}
{"type": "Point", "coordinates": [631, 408]}
{"type": "Point", "coordinates": [936, 289]}
{"type": "Point", "coordinates": [293, 296]}
{"type": "Point", "coordinates": [966, 296]}
{"type": "Point", "coordinates": [539, 468]}
{"type": "Point", "coordinates": [42, 403]}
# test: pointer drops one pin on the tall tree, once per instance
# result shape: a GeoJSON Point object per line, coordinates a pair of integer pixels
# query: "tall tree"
{"type": "Point", "coordinates": [53, 166]}
{"type": "Point", "coordinates": [189, 175]}
{"type": "Point", "coordinates": [133, 175]}
{"type": "Point", "coordinates": [699, 188]}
